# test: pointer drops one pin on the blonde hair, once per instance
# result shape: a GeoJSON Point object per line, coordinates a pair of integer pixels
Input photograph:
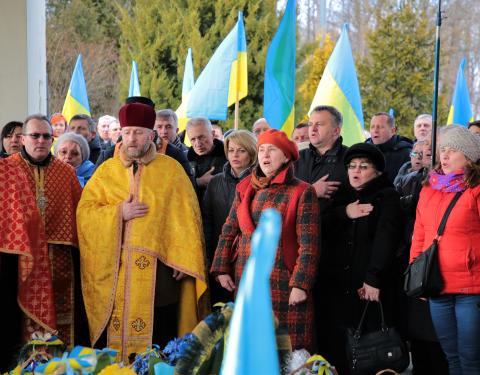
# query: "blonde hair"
{"type": "Point", "coordinates": [245, 139]}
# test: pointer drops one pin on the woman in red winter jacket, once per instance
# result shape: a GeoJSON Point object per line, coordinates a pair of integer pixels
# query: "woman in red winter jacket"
{"type": "Point", "coordinates": [456, 311]}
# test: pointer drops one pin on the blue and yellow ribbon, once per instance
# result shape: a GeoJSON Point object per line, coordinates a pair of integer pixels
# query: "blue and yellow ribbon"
{"type": "Point", "coordinates": [80, 359]}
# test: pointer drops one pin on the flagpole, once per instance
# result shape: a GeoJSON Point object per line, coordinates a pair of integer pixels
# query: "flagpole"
{"type": "Point", "coordinates": [237, 110]}
{"type": "Point", "coordinates": [435, 83]}
{"type": "Point", "coordinates": [237, 104]}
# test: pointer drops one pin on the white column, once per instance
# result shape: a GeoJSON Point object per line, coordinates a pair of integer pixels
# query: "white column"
{"type": "Point", "coordinates": [22, 59]}
{"type": "Point", "coordinates": [36, 57]}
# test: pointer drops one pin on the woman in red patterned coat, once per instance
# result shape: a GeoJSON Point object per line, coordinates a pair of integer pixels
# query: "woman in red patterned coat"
{"type": "Point", "coordinates": [272, 185]}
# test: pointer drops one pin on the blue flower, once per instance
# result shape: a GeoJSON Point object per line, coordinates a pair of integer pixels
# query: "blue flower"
{"type": "Point", "coordinates": [176, 348]}
{"type": "Point", "coordinates": [140, 366]}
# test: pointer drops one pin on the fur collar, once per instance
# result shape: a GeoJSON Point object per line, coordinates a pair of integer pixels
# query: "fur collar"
{"type": "Point", "coordinates": [149, 156]}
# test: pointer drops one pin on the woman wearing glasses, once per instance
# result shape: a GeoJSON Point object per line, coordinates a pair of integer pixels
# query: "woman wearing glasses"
{"type": "Point", "coordinates": [73, 149]}
{"type": "Point", "coordinates": [413, 165]}
{"type": "Point", "coordinates": [359, 262]}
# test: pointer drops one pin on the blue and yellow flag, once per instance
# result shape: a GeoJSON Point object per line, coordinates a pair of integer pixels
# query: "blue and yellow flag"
{"type": "Point", "coordinates": [224, 79]}
{"type": "Point", "coordinates": [188, 76]}
{"type": "Point", "coordinates": [339, 88]}
{"type": "Point", "coordinates": [187, 86]}
{"type": "Point", "coordinates": [134, 88]}
{"type": "Point", "coordinates": [279, 85]}
{"type": "Point", "coordinates": [460, 110]}
{"type": "Point", "coordinates": [251, 346]}
{"type": "Point", "coordinates": [76, 101]}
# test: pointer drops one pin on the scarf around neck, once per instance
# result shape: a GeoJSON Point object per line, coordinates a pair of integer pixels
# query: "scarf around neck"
{"type": "Point", "coordinates": [260, 181]}
{"type": "Point", "coordinates": [448, 183]}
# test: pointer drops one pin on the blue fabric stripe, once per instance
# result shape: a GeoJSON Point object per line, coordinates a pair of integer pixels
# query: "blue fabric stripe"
{"type": "Point", "coordinates": [462, 110]}
{"type": "Point", "coordinates": [279, 85]}
{"type": "Point", "coordinates": [78, 87]}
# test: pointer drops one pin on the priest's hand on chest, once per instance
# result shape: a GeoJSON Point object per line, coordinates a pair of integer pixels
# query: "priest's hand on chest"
{"type": "Point", "coordinates": [132, 209]}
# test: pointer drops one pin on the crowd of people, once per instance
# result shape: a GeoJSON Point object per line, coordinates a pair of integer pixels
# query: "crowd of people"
{"type": "Point", "coordinates": [115, 233]}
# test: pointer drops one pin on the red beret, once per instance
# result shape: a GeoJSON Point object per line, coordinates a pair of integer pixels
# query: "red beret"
{"type": "Point", "coordinates": [57, 117]}
{"type": "Point", "coordinates": [137, 114]}
{"type": "Point", "coordinates": [279, 139]}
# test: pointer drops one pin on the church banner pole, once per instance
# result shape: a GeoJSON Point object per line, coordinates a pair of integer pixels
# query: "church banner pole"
{"type": "Point", "coordinates": [237, 110]}
{"type": "Point", "coordinates": [435, 83]}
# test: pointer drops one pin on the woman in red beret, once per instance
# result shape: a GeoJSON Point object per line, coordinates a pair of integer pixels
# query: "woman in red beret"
{"type": "Point", "coordinates": [272, 185]}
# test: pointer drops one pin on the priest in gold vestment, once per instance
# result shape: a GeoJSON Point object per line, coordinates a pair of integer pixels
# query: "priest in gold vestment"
{"type": "Point", "coordinates": [141, 245]}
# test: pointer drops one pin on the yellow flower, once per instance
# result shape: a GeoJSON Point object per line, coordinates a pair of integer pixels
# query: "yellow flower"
{"type": "Point", "coordinates": [115, 369]}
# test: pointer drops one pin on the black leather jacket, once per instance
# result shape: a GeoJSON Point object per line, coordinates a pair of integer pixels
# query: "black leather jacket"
{"type": "Point", "coordinates": [200, 164]}
{"type": "Point", "coordinates": [397, 152]}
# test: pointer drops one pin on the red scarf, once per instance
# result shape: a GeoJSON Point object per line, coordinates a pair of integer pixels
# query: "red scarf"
{"type": "Point", "coordinates": [248, 188]}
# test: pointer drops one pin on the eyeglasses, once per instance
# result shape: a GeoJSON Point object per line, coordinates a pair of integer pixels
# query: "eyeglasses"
{"type": "Point", "coordinates": [362, 166]}
{"type": "Point", "coordinates": [416, 154]}
{"type": "Point", "coordinates": [45, 136]}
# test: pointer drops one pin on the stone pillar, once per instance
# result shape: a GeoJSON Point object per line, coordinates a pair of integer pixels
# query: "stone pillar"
{"type": "Point", "coordinates": [23, 68]}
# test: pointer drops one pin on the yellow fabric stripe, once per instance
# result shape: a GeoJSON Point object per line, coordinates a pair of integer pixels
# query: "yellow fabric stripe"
{"type": "Point", "coordinates": [72, 107]}
{"type": "Point", "coordinates": [450, 115]}
{"type": "Point", "coordinates": [242, 85]}
{"type": "Point", "coordinates": [289, 124]}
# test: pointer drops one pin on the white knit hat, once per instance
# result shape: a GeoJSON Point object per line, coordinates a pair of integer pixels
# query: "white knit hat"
{"type": "Point", "coordinates": [73, 137]}
{"type": "Point", "coordinates": [461, 139]}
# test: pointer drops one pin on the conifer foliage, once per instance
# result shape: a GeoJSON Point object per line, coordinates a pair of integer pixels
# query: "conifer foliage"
{"type": "Point", "coordinates": [157, 35]}
{"type": "Point", "coordinates": [398, 72]}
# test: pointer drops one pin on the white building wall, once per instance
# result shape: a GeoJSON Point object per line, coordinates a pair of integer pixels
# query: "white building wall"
{"type": "Point", "coordinates": [23, 82]}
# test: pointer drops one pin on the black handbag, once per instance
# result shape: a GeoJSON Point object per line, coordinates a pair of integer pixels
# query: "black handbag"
{"type": "Point", "coordinates": [423, 277]}
{"type": "Point", "coordinates": [375, 351]}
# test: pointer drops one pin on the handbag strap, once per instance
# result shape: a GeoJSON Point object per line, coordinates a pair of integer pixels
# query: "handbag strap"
{"type": "Point", "coordinates": [360, 324]}
{"type": "Point", "coordinates": [441, 228]}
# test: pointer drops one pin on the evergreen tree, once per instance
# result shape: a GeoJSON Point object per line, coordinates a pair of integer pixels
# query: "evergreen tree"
{"type": "Point", "coordinates": [157, 35]}
{"type": "Point", "coordinates": [398, 72]}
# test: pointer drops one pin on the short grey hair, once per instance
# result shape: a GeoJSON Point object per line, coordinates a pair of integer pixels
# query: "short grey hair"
{"type": "Point", "coordinates": [196, 121]}
{"type": "Point", "coordinates": [260, 120]}
{"type": "Point", "coordinates": [335, 114]}
{"type": "Point", "coordinates": [107, 119]}
{"type": "Point", "coordinates": [92, 126]}
{"type": "Point", "coordinates": [423, 116]}
{"type": "Point", "coordinates": [169, 115]}
{"type": "Point", "coordinates": [76, 138]}
{"type": "Point", "coordinates": [39, 117]}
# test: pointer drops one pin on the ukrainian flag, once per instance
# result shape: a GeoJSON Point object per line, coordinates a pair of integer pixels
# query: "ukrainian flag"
{"type": "Point", "coordinates": [460, 110]}
{"type": "Point", "coordinates": [187, 85]}
{"type": "Point", "coordinates": [76, 101]}
{"type": "Point", "coordinates": [251, 346]}
{"type": "Point", "coordinates": [134, 88]}
{"type": "Point", "coordinates": [279, 85]}
{"type": "Point", "coordinates": [339, 88]}
{"type": "Point", "coordinates": [224, 79]}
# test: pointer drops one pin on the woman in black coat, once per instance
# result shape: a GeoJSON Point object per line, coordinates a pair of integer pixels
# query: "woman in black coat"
{"type": "Point", "coordinates": [357, 265]}
{"type": "Point", "coordinates": [241, 150]}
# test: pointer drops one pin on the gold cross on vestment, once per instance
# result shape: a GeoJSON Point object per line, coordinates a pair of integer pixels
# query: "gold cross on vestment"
{"type": "Point", "coordinates": [142, 262]}
{"type": "Point", "coordinates": [138, 324]}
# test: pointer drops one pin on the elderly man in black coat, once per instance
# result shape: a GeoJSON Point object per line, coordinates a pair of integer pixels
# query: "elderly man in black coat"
{"type": "Point", "coordinates": [394, 147]}
{"type": "Point", "coordinates": [206, 155]}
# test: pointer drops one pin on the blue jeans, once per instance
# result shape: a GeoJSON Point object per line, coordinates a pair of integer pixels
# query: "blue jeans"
{"type": "Point", "coordinates": [456, 318]}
